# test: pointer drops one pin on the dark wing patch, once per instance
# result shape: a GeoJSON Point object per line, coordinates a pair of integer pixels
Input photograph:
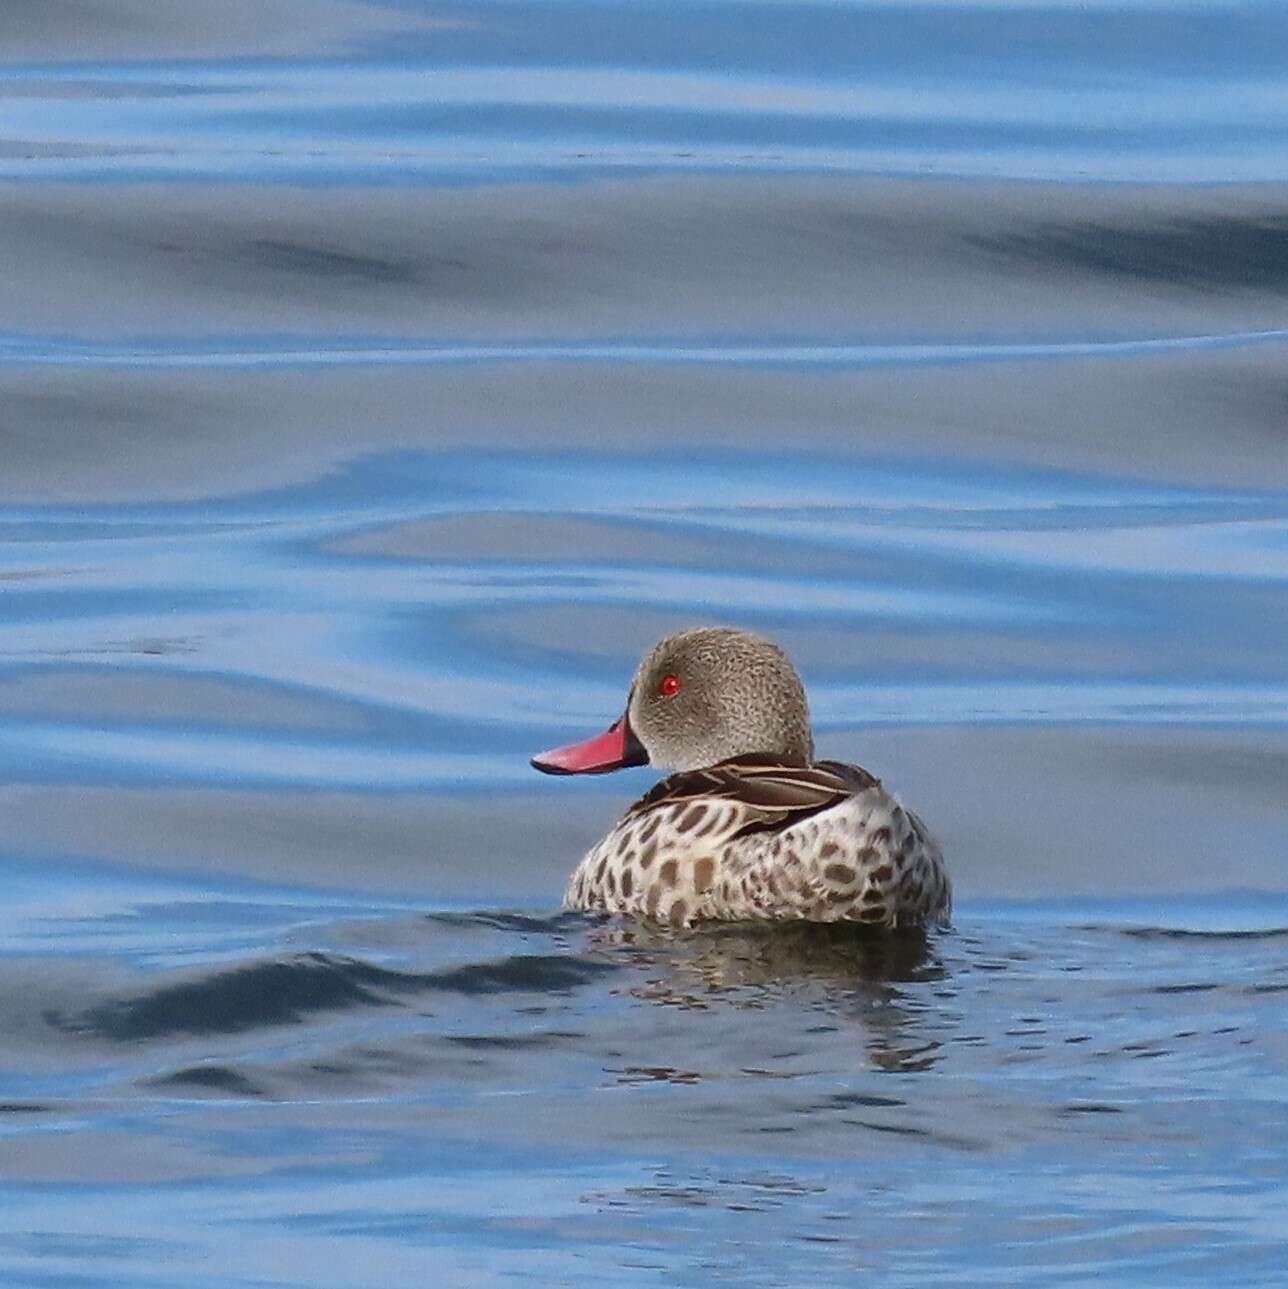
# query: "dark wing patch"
{"type": "Point", "coordinates": [859, 779]}
{"type": "Point", "coordinates": [772, 793]}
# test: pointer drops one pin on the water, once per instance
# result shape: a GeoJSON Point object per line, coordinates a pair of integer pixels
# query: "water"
{"type": "Point", "coordinates": [380, 379]}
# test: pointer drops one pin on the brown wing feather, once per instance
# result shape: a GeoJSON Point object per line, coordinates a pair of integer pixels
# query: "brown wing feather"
{"type": "Point", "coordinates": [772, 793]}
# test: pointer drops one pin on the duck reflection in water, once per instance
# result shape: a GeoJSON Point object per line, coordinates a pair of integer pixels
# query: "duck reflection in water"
{"type": "Point", "coordinates": [846, 972]}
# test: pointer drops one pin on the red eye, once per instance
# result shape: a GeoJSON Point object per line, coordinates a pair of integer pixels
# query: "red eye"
{"type": "Point", "coordinates": [670, 685]}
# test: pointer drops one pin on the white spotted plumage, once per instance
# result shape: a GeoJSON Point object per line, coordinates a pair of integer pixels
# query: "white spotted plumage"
{"type": "Point", "coordinates": [681, 857]}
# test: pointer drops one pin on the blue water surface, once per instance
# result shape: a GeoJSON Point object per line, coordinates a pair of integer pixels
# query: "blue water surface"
{"type": "Point", "coordinates": [380, 379]}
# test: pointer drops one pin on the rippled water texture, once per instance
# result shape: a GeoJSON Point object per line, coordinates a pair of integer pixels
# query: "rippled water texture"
{"type": "Point", "coordinates": [378, 379]}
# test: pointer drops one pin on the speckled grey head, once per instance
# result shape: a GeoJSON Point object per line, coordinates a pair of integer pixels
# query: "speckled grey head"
{"type": "Point", "coordinates": [710, 693]}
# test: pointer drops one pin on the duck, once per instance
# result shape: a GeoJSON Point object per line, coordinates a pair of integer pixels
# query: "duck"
{"type": "Point", "coordinates": [747, 826]}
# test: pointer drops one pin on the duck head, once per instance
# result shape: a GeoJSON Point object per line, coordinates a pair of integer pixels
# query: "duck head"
{"type": "Point", "coordinates": [699, 697]}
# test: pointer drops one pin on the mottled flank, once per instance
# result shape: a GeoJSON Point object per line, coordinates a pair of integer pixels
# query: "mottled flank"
{"type": "Point", "coordinates": [755, 839]}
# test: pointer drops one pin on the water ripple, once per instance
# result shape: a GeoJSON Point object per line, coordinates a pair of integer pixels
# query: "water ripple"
{"type": "Point", "coordinates": [38, 351]}
{"type": "Point", "coordinates": [265, 994]}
